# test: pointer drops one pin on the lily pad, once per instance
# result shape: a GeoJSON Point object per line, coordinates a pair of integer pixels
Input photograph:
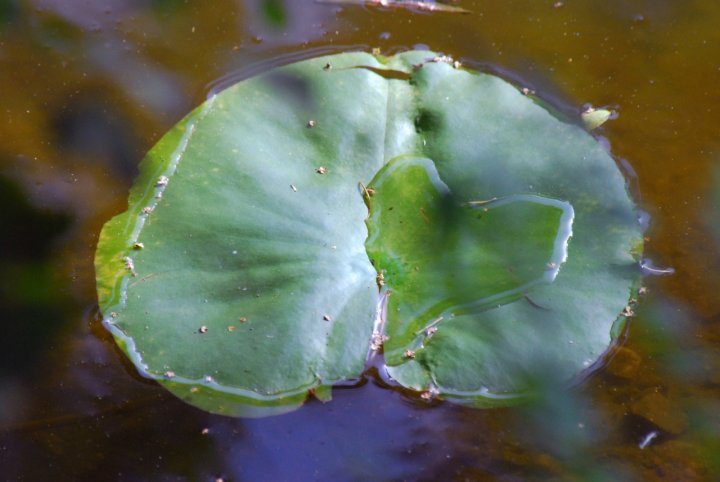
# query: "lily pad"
{"type": "Point", "coordinates": [442, 258]}
{"type": "Point", "coordinates": [243, 276]}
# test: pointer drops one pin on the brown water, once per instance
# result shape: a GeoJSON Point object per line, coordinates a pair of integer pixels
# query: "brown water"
{"type": "Point", "coordinates": [88, 86]}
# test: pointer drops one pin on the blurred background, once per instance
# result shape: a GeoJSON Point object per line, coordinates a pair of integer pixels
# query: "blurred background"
{"type": "Point", "coordinates": [88, 86]}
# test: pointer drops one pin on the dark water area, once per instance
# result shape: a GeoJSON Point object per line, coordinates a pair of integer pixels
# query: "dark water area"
{"type": "Point", "coordinates": [87, 87]}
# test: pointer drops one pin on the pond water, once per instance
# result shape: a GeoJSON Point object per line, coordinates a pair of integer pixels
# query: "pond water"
{"type": "Point", "coordinates": [88, 86]}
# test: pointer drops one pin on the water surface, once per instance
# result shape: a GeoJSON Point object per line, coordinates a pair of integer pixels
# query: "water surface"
{"type": "Point", "coordinates": [89, 86]}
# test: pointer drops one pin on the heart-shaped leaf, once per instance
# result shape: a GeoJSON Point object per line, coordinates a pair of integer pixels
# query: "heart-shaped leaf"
{"type": "Point", "coordinates": [239, 276]}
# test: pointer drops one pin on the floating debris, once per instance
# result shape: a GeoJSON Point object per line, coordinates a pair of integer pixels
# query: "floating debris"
{"type": "Point", "coordinates": [169, 374]}
{"type": "Point", "coordinates": [594, 118]}
{"type": "Point", "coordinates": [203, 329]}
{"type": "Point", "coordinates": [409, 354]}
{"type": "Point", "coordinates": [231, 328]}
{"type": "Point", "coordinates": [377, 341]}
{"type": "Point", "coordinates": [527, 91]}
{"type": "Point", "coordinates": [418, 5]}
{"type": "Point", "coordinates": [321, 170]}
{"type": "Point", "coordinates": [648, 267]}
{"type": "Point", "coordinates": [443, 58]}
{"type": "Point", "coordinates": [130, 265]}
{"type": "Point", "coordinates": [327, 67]}
{"type": "Point", "coordinates": [162, 181]}
{"type": "Point", "coordinates": [147, 210]}
{"type": "Point", "coordinates": [138, 246]}
{"type": "Point", "coordinates": [327, 318]}
{"type": "Point", "coordinates": [310, 124]}
{"type": "Point", "coordinates": [647, 440]}
{"type": "Point", "coordinates": [243, 319]}
{"type": "Point", "coordinates": [430, 393]}
{"type": "Point", "coordinates": [292, 186]}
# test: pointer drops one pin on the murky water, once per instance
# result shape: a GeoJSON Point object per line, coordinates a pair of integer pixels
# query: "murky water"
{"type": "Point", "coordinates": [86, 87]}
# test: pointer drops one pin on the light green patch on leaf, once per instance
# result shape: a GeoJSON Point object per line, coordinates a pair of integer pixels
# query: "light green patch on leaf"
{"type": "Point", "coordinates": [442, 256]}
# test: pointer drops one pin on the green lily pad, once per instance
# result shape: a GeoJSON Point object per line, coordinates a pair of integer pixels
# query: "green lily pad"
{"type": "Point", "coordinates": [243, 276]}
{"type": "Point", "coordinates": [442, 258]}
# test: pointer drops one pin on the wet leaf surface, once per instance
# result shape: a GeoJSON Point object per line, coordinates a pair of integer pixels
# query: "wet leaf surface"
{"type": "Point", "coordinates": [239, 277]}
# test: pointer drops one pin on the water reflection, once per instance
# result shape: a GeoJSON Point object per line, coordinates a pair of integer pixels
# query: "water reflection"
{"type": "Point", "coordinates": [33, 306]}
